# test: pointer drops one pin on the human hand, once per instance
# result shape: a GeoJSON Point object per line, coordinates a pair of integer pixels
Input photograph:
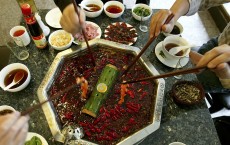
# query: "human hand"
{"type": "Point", "coordinates": [157, 23]}
{"type": "Point", "coordinates": [217, 60]}
{"type": "Point", "coordinates": [70, 20]}
{"type": "Point", "coordinates": [13, 129]}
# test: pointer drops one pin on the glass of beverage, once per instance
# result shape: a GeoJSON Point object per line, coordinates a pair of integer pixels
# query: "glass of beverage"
{"type": "Point", "coordinates": [142, 27]}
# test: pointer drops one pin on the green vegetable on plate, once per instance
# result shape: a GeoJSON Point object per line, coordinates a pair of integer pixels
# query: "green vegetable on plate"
{"type": "Point", "coordinates": [34, 141]}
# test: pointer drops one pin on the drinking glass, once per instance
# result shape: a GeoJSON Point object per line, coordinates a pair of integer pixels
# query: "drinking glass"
{"type": "Point", "coordinates": [142, 27]}
{"type": "Point", "coordinates": [20, 52]}
{"type": "Point", "coordinates": [178, 66]}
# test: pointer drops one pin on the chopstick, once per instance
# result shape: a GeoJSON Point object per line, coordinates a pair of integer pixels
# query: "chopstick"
{"type": "Point", "coordinates": [32, 108]}
{"type": "Point", "coordinates": [174, 73]}
{"type": "Point", "coordinates": [146, 46]}
{"type": "Point", "coordinates": [84, 35]}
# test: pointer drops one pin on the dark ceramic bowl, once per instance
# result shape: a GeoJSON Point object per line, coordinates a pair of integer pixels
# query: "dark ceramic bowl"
{"type": "Point", "coordinates": [187, 92]}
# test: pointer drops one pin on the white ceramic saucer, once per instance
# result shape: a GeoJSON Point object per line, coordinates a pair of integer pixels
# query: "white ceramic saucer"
{"type": "Point", "coordinates": [167, 61]}
{"type": "Point", "coordinates": [53, 18]}
{"type": "Point", "coordinates": [31, 134]}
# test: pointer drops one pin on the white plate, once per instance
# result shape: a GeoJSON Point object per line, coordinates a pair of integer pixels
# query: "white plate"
{"type": "Point", "coordinates": [31, 134]}
{"type": "Point", "coordinates": [98, 31]}
{"type": "Point", "coordinates": [128, 25]}
{"type": "Point", "coordinates": [53, 18]}
{"type": "Point", "coordinates": [169, 62]}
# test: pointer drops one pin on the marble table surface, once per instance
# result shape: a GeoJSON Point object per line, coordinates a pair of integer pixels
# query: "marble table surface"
{"type": "Point", "coordinates": [190, 125]}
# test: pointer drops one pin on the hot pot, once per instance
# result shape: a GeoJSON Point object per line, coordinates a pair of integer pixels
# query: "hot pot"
{"type": "Point", "coordinates": [49, 109]}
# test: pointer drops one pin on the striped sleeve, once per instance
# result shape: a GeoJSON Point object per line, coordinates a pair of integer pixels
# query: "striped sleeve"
{"type": "Point", "coordinates": [199, 5]}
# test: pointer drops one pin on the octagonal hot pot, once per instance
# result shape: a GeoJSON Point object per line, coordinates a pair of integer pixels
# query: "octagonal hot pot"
{"type": "Point", "coordinates": [117, 122]}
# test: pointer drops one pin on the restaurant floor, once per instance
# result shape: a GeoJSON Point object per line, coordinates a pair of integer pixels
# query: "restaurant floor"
{"type": "Point", "coordinates": [198, 28]}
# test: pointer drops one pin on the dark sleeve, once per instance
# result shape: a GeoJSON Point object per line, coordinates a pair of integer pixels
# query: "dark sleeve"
{"type": "Point", "coordinates": [62, 4]}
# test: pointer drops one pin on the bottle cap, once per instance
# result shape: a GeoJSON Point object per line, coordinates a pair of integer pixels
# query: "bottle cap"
{"type": "Point", "coordinates": [26, 9]}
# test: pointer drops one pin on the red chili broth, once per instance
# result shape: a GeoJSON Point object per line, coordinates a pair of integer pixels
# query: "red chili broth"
{"type": "Point", "coordinates": [114, 122]}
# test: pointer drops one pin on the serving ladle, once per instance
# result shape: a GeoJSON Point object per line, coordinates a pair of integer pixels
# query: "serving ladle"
{"type": "Point", "coordinates": [17, 78]}
{"type": "Point", "coordinates": [86, 8]}
{"type": "Point", "coordinates": [177, 49]}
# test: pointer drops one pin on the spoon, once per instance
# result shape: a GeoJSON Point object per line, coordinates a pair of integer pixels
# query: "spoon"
{"type": "Point", "coordinates": [175, 50]}
{"type": "Point", "coordinates": [17, 78]}
{"type": "Point", "coordinates": [86, 8]}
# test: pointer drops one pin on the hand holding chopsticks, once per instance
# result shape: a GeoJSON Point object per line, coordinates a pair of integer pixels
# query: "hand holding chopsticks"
{"type": "Point", "coordinates": [84, 34]}
{"type": "Point", "coordinates": [31, 109]}
{"type": "Point", "coordinates": [145, 47]}
{"type": "Point", "coordinates": [174, 73]}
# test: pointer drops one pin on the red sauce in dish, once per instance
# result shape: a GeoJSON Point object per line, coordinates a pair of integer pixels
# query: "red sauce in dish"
{"type": "Point", "coordinates": [18, 33]}
{"type": "Point", "coordinates": [113, 9]}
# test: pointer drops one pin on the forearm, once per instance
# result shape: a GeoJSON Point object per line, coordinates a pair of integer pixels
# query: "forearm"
{"type": "Point", "coordinates": [180, 8]}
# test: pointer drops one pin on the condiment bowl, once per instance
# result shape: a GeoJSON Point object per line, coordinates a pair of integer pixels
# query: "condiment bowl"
{"type": "Point", "coordinates": [177, 30]}
{"type": "Point", "coordinates": [138, 9]}
{"type": "Point", "coordinates": [60, 39]}
{"type": "Point", "coordinates": [114, 9]}
{"type": "Point", "coordinates": [5, 109]}
{"type": "Point", "coordinates": [10, 68]}
{"type": "Point", "coordinates": [174, 41]}
{"type": "Point", "coordinates": [187, 92]}
{"type": "Point", "coordinates": [94, 13]}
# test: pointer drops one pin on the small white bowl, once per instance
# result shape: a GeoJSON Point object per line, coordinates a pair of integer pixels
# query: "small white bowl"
{"type": "Point", "coordinates": [178, 41]}
{"type": "Point", "coordinates": [178, 25]}
{"type": "Point", "coordinates": [60, 40]}
{"type": "Point", "coordinates": [6, 107]}
{"type": "Point", "coordinates": [95, 2]}
{"type": "Point", "coordinates": [9, 68]}
{"type": "Point", "coordinates": [114, 3]}
{"type": "Point", "coordinates": [137, 17]}
{"type": "Point", "coordinates": [177, 143]}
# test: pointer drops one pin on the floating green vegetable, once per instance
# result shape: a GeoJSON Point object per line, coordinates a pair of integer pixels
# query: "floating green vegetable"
{"type": "Point", "coordinates": [141, 11]}
{"type": "Point", "coordinates": [162, 54]}
{"type": "Point", "coordinates": [34, 141]}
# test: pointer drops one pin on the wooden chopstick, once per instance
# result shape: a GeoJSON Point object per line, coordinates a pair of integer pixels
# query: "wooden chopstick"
{"type": "Point", "coordinates": [83, 33]}
{"type": "Point", "coordinates": [174, 73]}
{"type": "Point", "coordinates": [32, 108]}
{"type": "Point", "coordinates": [146, 46]}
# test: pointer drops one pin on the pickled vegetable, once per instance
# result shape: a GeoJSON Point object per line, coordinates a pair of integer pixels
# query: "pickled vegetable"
{"type": "Point", "coordinates": [34, 141]}
{"type": "Point", "coordinates": [140, 11]}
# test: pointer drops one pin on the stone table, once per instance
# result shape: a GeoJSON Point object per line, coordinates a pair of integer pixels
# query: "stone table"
{"type": "Point", "coordinates": [190, 125]}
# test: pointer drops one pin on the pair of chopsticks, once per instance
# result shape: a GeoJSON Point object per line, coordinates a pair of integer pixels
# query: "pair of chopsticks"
{"type": "Point", "coordinates": [32, 108]}
{"type": "Point", "coordinates": [146, 46]}
{"type": "Point", "coordinates": [174, 73]}
{"type": "Point", "coordinates": [83, 33]}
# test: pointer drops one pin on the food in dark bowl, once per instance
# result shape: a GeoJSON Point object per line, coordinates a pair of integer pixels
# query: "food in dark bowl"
{"type": "Point", "coordinates": [6, 111]}
{"type": "Point", "coordinates": [187, 92]}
